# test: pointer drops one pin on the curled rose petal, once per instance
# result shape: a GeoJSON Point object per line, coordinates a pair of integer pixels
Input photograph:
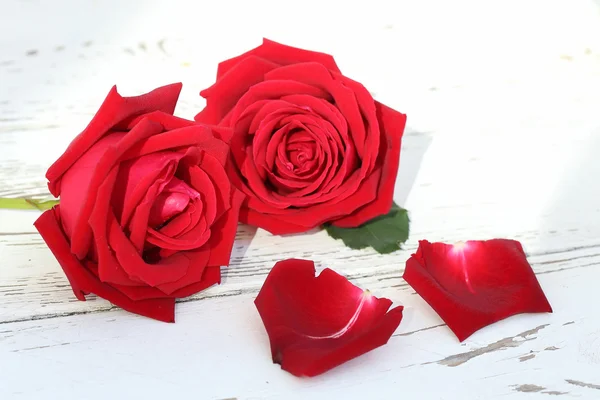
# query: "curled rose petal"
{"type": "Point", "coordinates": [476, 283]}
{"type": "Point", "coordinates": [316, 323]}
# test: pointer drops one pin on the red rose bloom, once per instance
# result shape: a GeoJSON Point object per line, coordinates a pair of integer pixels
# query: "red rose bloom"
{"type": "Point", "coordinates": [309, 145]}
{"type": "Point", "coordinates": [474, 284]}
{"type": "Point", "coordinates": [147, 213]}
{"type": "Point", "coordinates": [317, 323]}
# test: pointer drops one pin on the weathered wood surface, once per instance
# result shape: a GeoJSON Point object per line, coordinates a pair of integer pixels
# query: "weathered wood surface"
{"type": "Point", "coordinates": [503, 135]}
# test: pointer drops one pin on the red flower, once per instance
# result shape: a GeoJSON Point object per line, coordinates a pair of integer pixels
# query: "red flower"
{"type": "Point", "coordinates": [474, 284]}
{"type": "Point", "coordinates": [146, 212]}
{"type": "Point", "coordinates": [310, 145]}
{"type": "Point", "coordinates": [317, 323]}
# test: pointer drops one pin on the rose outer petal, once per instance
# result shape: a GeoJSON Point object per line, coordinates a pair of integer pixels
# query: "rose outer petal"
{"type": "Point", "coordinates": [81, 235]}
{"type": "Point", "coordinates": [222, 96]}
{"type": "Point", "coordinates": [198, 135]}
{"type": "Point", "coordinates": [224, 231]}
{"type": "Point", "coordinates": [391, 125]}
{"type": "Point", "coordinates": [75, 181]}
{"type": "Point", "coordinates": [83, 281]}
{"type": "Point", "coordinates": [114, 110]}
{"type": "Point", "coordinates": [211, 276]}
{"type": "Point", "coordinates": [475, 284]}
{"type": "Point", "coordinates": [280, 54]}
{"type": "Point", "coordinates": [317, 323]}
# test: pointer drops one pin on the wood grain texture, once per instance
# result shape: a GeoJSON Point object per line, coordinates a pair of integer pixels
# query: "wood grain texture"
{"type": "Point", "coordinates": [502, 141]}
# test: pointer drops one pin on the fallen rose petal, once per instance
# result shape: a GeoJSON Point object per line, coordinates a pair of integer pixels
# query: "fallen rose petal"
{"type": "Point", "coordinates": [316, 323]}
{"type": "Point", "coordinates": [474, 284]}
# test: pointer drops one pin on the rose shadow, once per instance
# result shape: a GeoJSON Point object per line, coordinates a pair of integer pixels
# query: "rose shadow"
{"type": "Point", "coordinates": [414, 147]}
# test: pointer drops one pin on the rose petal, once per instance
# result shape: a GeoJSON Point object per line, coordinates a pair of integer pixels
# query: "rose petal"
{"type": "Point", "coordinates": [222, 96]}
{"type": "Point", "coordinates": [185, 221]}
{"type": "Point", "coordinates": [169, 122]}
{"type": "Point", "coordinates": [200, 181]}
{"type": "Point", "coordinates": [81, 235]}
{"type": "Point", "coordinates": [271, 89]}
{"type": "Point", "coordinates": [317, 323]}
{"type": "Point", "coordinates": [137, 293]}
{"type": "Point", "coordinates": [193, 239]}
{"type": "Point", "coordinates": [197, 260]}
{"type": "Point", "coordinates": [138, 224]}
{"type": "Point", "coordinates": [137, 176]}
{"type": "Point", "coordinates": [368, 112]}
{"type": "Point", "coordinates": [280, 54]}
{"type": "Point", "coordinates": [174, 198]}
{"type": "Point", "coordinates": [315, 74]}
{"type": "Point", "coordinates": [211, 276]}
{"type": "Point", "coordinates": [141, 200]}
{"type": "Point", "coordinates": [474, 284]}
{"type": "Point", "coordinates": [220, 181]}
{"type": "Point", "coordinates": [109, 269]}
{"type": "Point", "coordinates": [199, 136]}
{"type": "Point", "coordinates": [83, 281]}
{"type": "Point", "coordinates": [76, 181]}
{"type": "Point", "coordinates": [114, 110]}
{"type": "Point", "coordinates": [224, 230]}
{"type": "Point", "coordinates": [167, 270]}
{"type": "Point", "coordinates": [391, 124]}
{"type": "Point", "coordinates": [281, 222]}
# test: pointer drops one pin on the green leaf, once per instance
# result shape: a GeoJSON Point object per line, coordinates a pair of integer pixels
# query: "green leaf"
{"type": "Point", "coordinates": [385, 234]}
{"type": "Point", "coordinates": [27, 204]}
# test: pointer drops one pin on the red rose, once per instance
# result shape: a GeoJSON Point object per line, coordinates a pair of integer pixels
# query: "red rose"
{"type": "Point", "coordinates": [309, 145]}
{"type": "Point", "coordinates": [147, 213]}
{"type": "Point", "coordinates": [317, 323]}
{"type": "Point", "coordinates": [474, 284]}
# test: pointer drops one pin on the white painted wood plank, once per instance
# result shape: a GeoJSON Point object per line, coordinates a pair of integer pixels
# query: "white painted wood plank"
{"type": "Point", "coordinates": [218, 349]}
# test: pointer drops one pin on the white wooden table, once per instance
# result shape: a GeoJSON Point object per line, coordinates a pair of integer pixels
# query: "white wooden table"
{"type": "Point", "coordinates": [503, 140]}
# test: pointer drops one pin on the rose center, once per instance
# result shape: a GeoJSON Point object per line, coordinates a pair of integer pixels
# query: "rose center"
{"type": "Point", "coordinates": [174, 199]}
{"type": "Point", "coordinates": [300, 151]}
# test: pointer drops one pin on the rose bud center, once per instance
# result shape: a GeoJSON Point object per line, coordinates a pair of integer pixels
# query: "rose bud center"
{"type": "Point", "coordinates": [173, 200]}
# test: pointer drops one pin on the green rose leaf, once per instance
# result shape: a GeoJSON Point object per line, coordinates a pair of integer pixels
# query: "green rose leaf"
{"type": "Point", "coordinates": [385, 234]}
{"type": "Point", "coordinates": [27, 204]}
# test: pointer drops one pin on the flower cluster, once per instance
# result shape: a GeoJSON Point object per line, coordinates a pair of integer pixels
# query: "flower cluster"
{"type": "Point", "coordinates": [150, 204]}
